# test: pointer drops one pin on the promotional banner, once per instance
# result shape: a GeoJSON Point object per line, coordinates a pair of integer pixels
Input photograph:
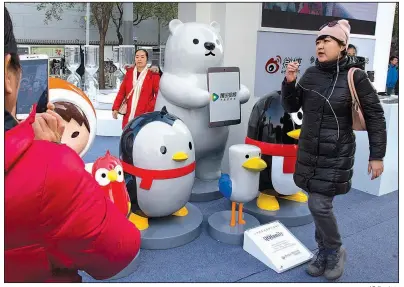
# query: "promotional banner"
{"type": "Point", "coordinates": [276, 50]}
{"type": "Point", "coordinates": [312, 15]}
{"type": "Point", "coordinates": [51, 52]}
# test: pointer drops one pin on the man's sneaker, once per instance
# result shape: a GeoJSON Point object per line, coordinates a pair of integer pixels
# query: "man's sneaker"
{"type": "Point", "coordinates": [317, 266]}
{"type": "Point", "coordinates": [335, 264]}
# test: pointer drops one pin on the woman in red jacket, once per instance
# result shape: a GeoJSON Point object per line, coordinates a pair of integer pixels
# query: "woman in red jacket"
{"type": "Point", "coordinates": [57, 219]}
{"type": "Point", "coordinates": [139, 87]}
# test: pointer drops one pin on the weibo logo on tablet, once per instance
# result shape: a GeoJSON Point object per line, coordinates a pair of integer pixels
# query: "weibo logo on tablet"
{"type": "Point", "coordinates": [215, 97]}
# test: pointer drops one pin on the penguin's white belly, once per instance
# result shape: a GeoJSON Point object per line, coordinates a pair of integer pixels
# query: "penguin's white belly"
{"type": "Point", "coordinates": [165, 196]}
{"type": "Point", "coordinates": [207, 140]}
{"type": "Point", "coordinates": [283, 183]}
{"type": "Point", "coordinates": [244, 192]}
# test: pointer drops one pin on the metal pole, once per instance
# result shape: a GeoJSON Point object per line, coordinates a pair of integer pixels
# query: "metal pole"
{"type": "Point", "coordinates": [88, 24]}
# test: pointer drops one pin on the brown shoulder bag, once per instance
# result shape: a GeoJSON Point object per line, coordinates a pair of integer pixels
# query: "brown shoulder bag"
{"type": "Point", "coordinates": [358, 120]}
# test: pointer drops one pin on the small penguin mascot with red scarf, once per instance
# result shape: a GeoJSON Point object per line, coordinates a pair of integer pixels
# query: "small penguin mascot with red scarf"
{"type": "Point", "coordinates": [158, 157]}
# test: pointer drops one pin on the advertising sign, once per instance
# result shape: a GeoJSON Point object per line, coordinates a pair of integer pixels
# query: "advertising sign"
{"type": "Point", "coordinates": [275, 50]}
{"type": "Point", "coordinates": [51, 52]}
{"type": "Point", "coordinates": [275, 246]}
{"type": "Point", "coordinates": [312, 15]}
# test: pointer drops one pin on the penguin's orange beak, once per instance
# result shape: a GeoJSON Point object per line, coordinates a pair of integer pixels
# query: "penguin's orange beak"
{"type": "Point", "coordinates": [295, 134]}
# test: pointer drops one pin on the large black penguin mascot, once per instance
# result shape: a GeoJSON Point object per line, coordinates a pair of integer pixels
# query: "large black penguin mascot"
{"type": "Point", "coordinates": [276, 132]}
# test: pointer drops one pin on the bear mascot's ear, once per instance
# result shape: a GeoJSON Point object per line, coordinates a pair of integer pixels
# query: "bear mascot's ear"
{"type": "Point", "coordinates": [174, 25]}
{"type": "Point", "coordinates": [215, 26]}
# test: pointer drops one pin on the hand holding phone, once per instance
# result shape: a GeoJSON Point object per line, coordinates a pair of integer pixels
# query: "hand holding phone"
{"type": "Point", "coordinates": [34, 85]}
{"type": "Point", "coordinates": [49, 126]}
{"type": "Point", "coordinates": [291, 71]}
{"type": "Point", "coordinates": [43, 102]}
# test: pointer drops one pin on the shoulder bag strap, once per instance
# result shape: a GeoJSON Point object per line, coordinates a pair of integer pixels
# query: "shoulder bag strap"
{"type": "Point", "coordinates": [351, 84]}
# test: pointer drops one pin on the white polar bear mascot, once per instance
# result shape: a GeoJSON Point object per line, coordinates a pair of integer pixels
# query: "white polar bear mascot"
{"type": "Point", "coordinates": [190, 50]}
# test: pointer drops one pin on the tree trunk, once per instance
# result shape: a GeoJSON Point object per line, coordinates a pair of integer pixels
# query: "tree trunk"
{"type": "Point", "coordinates": [120, 37]}
{"type": "Point", "coordinates": [101, 62]}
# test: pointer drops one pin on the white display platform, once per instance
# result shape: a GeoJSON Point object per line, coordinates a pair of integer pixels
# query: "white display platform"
{"type": "Point", "coordinates": [105, 99]}
{"type": "Point", "coordinates": [388, 182]}
{"type": "Point", "coordinates": [107, 96]}
{"type": "Point", "coordinates": [275, 246]}
{"type": "Point", "coordinates": [107, 126]}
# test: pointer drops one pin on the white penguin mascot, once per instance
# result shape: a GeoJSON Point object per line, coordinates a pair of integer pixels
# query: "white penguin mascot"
{"type": "Point", "coordinates": [241, 186]}
{"type": "Point", "coordinates": [190, 50]}
{"type": "Point", "coordinates": [158, 159]}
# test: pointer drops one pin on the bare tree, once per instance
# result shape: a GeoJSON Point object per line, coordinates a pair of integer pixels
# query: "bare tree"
{"type": "Point", "coordinates": [54, 10]}
{"type": "Point", "coordinates": [117, 17]}
{"type": "Point", "coordinates": [101, 13]}
{"type": "Point", "coordinates": [142, 11]}
{"type": "Point", "coordinates": [164, 12]}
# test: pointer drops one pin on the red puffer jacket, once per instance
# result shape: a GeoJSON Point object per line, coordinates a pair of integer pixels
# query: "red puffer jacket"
{"type": "Point", "coordinates": [57, 219]}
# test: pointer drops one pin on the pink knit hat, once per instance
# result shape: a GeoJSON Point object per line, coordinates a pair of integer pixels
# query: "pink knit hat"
{"type": "Point", "coordinates": [337, 29]}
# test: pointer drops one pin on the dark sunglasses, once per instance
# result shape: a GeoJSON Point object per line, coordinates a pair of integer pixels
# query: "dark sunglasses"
{"type": "Point", "coordinates": [330, 24]}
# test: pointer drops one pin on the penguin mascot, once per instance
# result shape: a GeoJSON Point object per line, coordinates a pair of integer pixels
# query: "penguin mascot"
{"type": "Point", "coordinates": [158, 159]}
{"type": "Point", "coordinates": [276, 133]}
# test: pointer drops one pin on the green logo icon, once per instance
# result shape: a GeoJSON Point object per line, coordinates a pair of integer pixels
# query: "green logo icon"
{"type": "Point", "coordinates": [215, 97]}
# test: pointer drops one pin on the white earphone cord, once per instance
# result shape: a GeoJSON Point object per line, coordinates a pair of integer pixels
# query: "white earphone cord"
{"type": "Point", "coordinates": [327, 99]}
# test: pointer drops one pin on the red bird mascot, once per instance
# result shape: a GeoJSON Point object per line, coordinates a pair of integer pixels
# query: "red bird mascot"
{"type": "Point", "coordinates": [108, 172]}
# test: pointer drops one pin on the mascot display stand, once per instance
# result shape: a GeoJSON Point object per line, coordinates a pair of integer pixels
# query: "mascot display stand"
{"type": "Point", "coordinates": [190, 50]}
{"type": "Point", "coordinates": [240, 186]}
{"type": "Point", "coordinates": [158, 157]}
{"type": "Point", "coordinates": [276, 133]}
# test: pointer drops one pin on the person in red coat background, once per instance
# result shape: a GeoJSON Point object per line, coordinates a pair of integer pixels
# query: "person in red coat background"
{"type": "Point", "coordinates": [140, 87]}
{"type": "Point", "coordinates": [57, 218]}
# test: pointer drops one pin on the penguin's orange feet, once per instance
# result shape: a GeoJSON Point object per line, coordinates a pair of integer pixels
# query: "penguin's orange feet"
{"type": "Point", "coordinates": [182, 212]}
{"type": "Point", "coordinates": [241, 221]}
{"type": "Point", "coordinates": [141, 223]}
{"type": "Point", "coordinates": [233, 214]}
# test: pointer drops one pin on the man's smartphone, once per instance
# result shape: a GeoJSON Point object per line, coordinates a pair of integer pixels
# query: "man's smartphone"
{"type": "Point", "coordinates": [33, 85]}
